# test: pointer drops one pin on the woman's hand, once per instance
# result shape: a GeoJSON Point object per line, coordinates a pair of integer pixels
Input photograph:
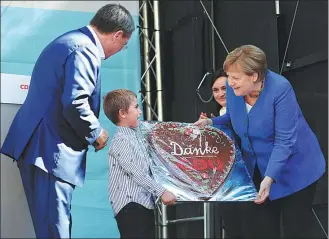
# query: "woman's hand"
{"type": "Point", "coordinates": [203, 122]}
{"type": "Point", "coordinates": [203, 115]}
{"type": "Point", "coordinates": [264, 191]}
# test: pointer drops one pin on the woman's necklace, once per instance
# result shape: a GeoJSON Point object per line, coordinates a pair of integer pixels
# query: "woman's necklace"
{"type": "Point", "coordinates": [257, 95]}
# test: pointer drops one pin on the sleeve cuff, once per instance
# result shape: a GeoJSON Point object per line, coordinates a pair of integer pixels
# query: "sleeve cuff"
{"type": "Point", "coordinates": [271, 175]}
{"type": "Point", "coordinates": [159, 190]}
{"type": "Point", "coordinates": [94, 135]}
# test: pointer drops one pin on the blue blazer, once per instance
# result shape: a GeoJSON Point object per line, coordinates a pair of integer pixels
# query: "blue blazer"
{"type": "Point", "coordinates": [275, 135]}
{"type": "Point", "coordinates": [59, 117]}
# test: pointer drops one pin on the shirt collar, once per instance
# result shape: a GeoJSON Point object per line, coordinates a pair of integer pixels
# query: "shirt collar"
{"type": "Point", "coordinates": [127, 131]}
{"type": "Point", "coordinates": [222, 111]}
{"type": "Point", "coordinates": [98, 43]}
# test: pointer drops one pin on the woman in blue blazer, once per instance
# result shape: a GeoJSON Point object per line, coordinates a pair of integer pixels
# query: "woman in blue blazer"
{"type": "Point", "coordinates": [280, 150]}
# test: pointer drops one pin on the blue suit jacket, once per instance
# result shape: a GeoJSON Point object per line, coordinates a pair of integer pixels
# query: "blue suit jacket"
{"type": "Point", "coordinates": [58, 119]}
{"type": "Point", "coordinates": [275, 135]}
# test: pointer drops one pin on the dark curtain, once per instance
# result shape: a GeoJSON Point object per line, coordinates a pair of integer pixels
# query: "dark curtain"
{"type": "Point", "coordinates": [308, 55]}
{"type": "Point", "coordinates": [187, 57]}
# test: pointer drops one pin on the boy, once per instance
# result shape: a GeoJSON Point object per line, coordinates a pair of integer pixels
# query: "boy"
{"type": "Point", "coordinates": [131, 186]}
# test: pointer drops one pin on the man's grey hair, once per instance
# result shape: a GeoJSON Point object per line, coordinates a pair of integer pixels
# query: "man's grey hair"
{"type": "Point", "coordinates": [113, 17]}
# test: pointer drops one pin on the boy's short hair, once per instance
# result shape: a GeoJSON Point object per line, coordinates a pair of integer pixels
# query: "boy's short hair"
{"type": "Point", "coordinates": [117, 100]}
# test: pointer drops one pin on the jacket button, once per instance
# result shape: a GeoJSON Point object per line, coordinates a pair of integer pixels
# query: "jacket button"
{"type": "Point", "coordinates": [245, 135]}
{"type": "Point", "coordinates": [246, 122]}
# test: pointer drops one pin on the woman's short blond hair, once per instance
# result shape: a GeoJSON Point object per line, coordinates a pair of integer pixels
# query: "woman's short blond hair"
{"type": "Point", "coordinates": [249, 58]}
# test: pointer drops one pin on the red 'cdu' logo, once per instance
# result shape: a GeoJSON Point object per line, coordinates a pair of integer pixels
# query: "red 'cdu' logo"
{"type": "Point", "coordinates": [24, 86]}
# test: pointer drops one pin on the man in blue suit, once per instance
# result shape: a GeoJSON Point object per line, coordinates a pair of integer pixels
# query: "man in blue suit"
{"type": "Point", "coordinates": [50, 134]}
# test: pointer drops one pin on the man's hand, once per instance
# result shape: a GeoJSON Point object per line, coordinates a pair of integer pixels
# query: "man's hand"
{"type": "Point", "coordinates": [101, 141]}
{"type": "Point", "coordinates": [168, 198]}
{"type": "Point", "coordinates": [264, 190]}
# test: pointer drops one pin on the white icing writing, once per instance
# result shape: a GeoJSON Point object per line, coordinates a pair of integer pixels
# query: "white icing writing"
{"type": "Point", "coordinates": [178, 150]}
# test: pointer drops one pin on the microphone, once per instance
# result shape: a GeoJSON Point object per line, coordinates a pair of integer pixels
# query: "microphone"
{"type": "Point", "coordinates": [198, 89]}
{"type": "Point", "coordinates": [202, 80]}
{"type": "Point", "coordinates": [277, 7]}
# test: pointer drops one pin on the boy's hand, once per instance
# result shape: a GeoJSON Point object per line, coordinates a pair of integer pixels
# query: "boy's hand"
{"type": "Point", "coordinates": [168, 198]}
{"type": "Point", "coordinates": [101, 141]}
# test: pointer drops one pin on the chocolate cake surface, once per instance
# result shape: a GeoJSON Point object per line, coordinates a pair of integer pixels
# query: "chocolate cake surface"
{"type": "Point", "coordinates": [200, 157]}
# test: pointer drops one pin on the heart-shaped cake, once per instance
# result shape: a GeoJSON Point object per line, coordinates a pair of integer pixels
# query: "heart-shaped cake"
{"type": "Point", "coordinates": [200, 157]}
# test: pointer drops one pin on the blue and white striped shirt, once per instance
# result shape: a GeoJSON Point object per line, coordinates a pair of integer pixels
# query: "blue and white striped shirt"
{"type": "Point", "coordinates": [129, 171]}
